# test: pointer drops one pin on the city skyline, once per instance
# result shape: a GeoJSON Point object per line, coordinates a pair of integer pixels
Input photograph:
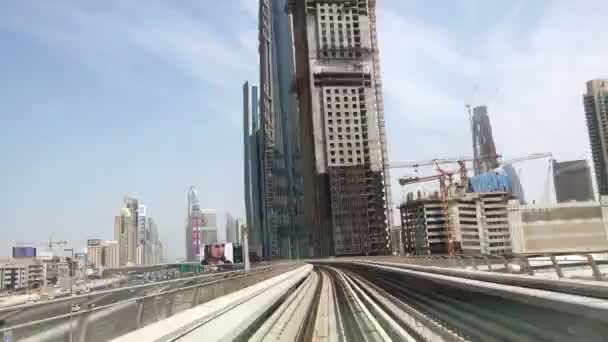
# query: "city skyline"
{"type": "Point", "coordinates": [65, 146]}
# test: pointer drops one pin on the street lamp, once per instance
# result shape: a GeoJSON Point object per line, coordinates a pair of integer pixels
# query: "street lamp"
{"type": "Point", "coordinates": [70, 264]}
{"type": "Point", "coordinates": [70, 269]}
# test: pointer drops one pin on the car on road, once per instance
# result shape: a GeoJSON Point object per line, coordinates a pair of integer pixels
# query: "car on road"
{"type": "Point", "coordinates": [75, 308]}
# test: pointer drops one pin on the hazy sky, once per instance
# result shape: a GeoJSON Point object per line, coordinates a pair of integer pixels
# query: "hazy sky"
{"type": "Point", "coordinates": [102, 99]}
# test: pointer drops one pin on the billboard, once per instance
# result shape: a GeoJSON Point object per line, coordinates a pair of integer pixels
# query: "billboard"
{"type": "Point", "coordinates": [24, 252]}
{"type": "Point", "coordinates": [93, 242]}
{"type": "Point", "coordinates": [217, 254]}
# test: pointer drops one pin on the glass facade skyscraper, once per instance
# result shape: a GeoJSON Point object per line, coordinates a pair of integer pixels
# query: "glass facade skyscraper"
{"type": "Point", "coordinates": [273, 182]}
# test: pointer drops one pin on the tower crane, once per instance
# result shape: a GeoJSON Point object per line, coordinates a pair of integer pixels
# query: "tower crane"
{"type": "Point", "coordinates": [461, 161]}
{"type": "Point", "coordinates": [50, 243]}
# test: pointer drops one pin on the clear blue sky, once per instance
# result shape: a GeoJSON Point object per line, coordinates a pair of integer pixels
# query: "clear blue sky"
{"type": "Point", "coordinates": [102, 99]}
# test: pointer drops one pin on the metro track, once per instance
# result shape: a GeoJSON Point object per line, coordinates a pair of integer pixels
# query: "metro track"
{"type": "Point", "coordinates": [359, 303]}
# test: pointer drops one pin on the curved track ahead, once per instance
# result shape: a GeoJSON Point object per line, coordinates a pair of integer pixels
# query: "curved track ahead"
{"type": "Point", "coordinates": [356, 302]}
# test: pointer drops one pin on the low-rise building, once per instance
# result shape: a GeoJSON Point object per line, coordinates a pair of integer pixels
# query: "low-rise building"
{"type": "Point", "coordinates": [478, 222]}
{"type": "Point", "coordinates": [21, 273]}
{"type": "Point", "coordinates": [562, 227]}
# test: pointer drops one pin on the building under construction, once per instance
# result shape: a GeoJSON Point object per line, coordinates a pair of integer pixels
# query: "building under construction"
{"type": "Point", "coordinates": [484, 150]}
{"type": "Point", "coordinates": [342, 136]}
{"type": "Point", "coordinates": [478, 222]}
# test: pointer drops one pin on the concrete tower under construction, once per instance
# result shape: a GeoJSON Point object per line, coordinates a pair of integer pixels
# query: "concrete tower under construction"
{"type": "Point", "coordinates": [341, 118]}
{"type": "Point", "coordinates": [596, 112]}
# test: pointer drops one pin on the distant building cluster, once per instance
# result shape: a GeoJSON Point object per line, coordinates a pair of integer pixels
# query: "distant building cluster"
{"type": "Point", "coordinates": [202, 228]}
{"type": "Point", "coordinates": [137, 235]}
{"type": "Point", "coordinates": [492, 217]}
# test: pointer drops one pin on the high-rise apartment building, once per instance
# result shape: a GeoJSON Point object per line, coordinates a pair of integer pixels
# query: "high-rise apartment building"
{"type": "Point", "coordinates": [596, 111]}
{"type": "Point", "coordinates": [572, 180]}
{"type": "Point", "coordinates": [209, 231]}
{"type": "Point", "coordinates": [126, 231]}
{"type": "Point", "coordinates": [111, 254]}
{"type": "Point", "coordinates": [342, 137]}
{"type": "Point", "coordinates": [102, 254]}
{"type": "Point", "coordinates": [95, 253]}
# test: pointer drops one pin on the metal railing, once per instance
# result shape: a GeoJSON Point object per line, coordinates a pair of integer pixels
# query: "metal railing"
{"type": "Point", "coordinates": [105, 322]}
{"type": "Point", "coordinates": [515, 263]}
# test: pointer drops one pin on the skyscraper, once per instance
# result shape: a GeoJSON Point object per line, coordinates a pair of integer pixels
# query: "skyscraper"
{"type": "Point", "coordinates": [596, 111]}
{"type": "Point", "coordinates": [231, 228]}
{"type": "Point", "coordinates": [208, 228]}
{"type": "Point", "coordinates": [572, 180]}
{"type": "Point", "coordinates": [484, 150]}
{"type": "Point", "coordinates": [341, 123]}
{"type": "Point", "coordinates": [132, 204]}
{"type": "Point", "coordinates": [252, 168]}
{"type": "Point", "coordinates": [276, 216]}
{"type": "Point", "coordinates": [125, 231]}
{"type": "Point", "coordinates": [193, 224]}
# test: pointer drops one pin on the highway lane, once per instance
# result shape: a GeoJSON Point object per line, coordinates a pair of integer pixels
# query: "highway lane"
{"type": "Point", "coordinates": [55, 308]}
{"type": "Point", "coordinates": [41, 310]}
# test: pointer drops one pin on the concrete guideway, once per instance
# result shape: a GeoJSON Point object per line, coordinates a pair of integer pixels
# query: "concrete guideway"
{"type": "Point", "coordinates": [114, 316]}
{"type": "Point", "coordinates": [349, 300]}
{"type": "Point", "coordinates": [327, 304]}
{"type": "Point", "coordinates": [489, 311]}
{"type": "Point", "coordinates": [224, 318]}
